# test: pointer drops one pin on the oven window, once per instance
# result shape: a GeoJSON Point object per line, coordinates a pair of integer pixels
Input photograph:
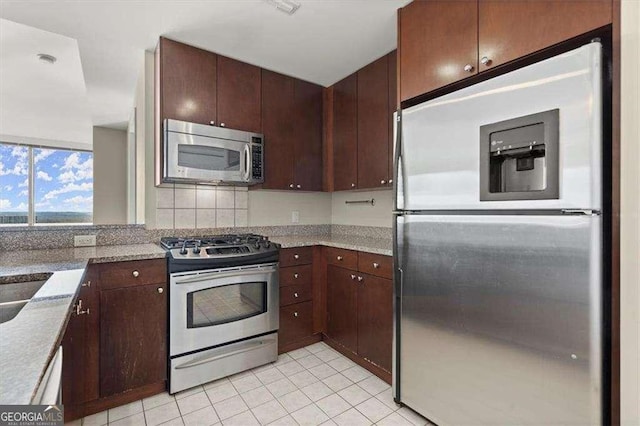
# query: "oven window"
{"type": "Point", "coordinates": [208, 158]}
{"type": "Point", "coordinates": [220, 305]}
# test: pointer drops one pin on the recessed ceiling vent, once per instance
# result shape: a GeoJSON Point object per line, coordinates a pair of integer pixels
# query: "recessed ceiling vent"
{"type": "Point", "coordinates": [287, 6]}
{"type": "Point", "coordinates": [45, 57]}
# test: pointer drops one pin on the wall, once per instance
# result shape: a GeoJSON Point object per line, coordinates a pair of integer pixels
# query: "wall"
{"type": "Point", "coordinates": [109, 176]}
{"type": "Point", "coordinates": [267, 208]}
{"type": "Point", "coordinates": [630, 215]}
{"type": "Point", "coordinates": [362, 214]}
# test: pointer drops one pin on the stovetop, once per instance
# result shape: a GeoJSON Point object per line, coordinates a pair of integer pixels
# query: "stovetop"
{"type": "Point", "coordinates": [218, 251]}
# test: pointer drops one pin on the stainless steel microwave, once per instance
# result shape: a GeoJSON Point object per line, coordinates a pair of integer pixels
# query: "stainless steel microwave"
{"type": "Point", "coordinates": [195, 153]}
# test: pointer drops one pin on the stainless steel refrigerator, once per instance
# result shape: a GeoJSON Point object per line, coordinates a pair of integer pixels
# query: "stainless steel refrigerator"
{"type": "Point", "coordinates": [499, 248]}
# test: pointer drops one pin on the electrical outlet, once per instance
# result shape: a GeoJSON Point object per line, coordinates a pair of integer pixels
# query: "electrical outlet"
{"type": "Point", "coordinates": [84, 240]}
{"type": "Point", "coordinates": [295, 216]}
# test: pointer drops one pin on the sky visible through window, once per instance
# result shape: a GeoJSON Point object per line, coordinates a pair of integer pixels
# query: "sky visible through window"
{"type": "Point", "coordinates": [63, 185]}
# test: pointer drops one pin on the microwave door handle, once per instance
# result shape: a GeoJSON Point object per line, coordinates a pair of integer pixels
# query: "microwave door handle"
{"type": "Point", "coordinates": [247, 162]}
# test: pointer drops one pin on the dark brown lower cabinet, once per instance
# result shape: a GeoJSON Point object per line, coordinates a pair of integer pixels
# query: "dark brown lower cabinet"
{"type": "Point", "coordinates": [342, 307]}
{"type": "Point", "coordinates": [375, 320]}
{"type": "Point", "coordinates": [133, 345]}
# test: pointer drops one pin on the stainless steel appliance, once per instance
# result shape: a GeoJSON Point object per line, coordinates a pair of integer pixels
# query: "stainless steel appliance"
{"type": "Point", "coordinates": [223, 306]}
{"type": "Point", "coordinates": [194, 153]}
{"type": "Point", "coordinates": [499, 249]}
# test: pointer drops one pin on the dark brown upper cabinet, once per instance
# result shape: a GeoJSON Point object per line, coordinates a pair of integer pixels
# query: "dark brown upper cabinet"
{"type": "Point", "coordinates": [437, 44]}
{"type": "Point", "coordinates": [373, 124]}
{"type": "Point", "coordinates": [345, 133]}
{"type": "Point", "coordinates": [187, 82]}
{"type": "Point", "coordinates": [512, 29]}
{"type": "Point", "coordinates": [292, 128]}
{"type": "Point", "coordinates": [441, 41]}
{"type": "Point", "coordinates": [393, 106]}
{"type": "Point", "coordinates": [239, 93]}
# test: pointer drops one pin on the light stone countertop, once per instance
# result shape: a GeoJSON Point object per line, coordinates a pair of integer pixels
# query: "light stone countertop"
{"type": "Point", "coordinates": [382, 246]}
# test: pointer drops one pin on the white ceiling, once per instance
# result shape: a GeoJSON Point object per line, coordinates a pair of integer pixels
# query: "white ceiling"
{"type": "Point", "coordinates": [324, 41]}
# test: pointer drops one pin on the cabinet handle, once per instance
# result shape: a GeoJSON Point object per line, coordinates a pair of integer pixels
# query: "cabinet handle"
{"type": "Point", "coordinates": [382, 182]}
{"type": "Point", "coordinates": [79, 310]}
{"type": "Point", "coordinates": [295, 294]}
{"type": "Point", "coordinates": [353, 185]}
{"type": "Point", "coordinates": [136, 274]}
{"type": "Point", "coordinates": [295, 314]}
{"type": "Point", "coordinates": [221, 124]}
{"type": "Point", "coordinates": [468, 68]}
{"type": "Point", "coordinates": [353, 277]}
{"type": "Point", "coordinates": [298, 186]}
{"type": "Point", "coordinates": [212, 123]}
{"type": "Point", "coordinates": [160, 290]}
{"type": "Point", "coordinates": [296, 275]}
{"type": "Point", "coordinates": [376, 265]}
{"type": "Point", "coordinates": [296, 256]}
{"type": "Point", "coordinates": [291, 185]}
{"type": "Point", "coordinates": [339, 258]}
{"type": "Point", "coordinates": [360, 279]}
{"type": "Point", "coordinates": [485, 61]}
{"type": "Point", "coordinates": [87, 284]}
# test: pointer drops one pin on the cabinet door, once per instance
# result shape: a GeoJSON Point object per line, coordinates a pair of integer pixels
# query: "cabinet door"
{"type": "Point", "coordinates": [133, 337]}
{"type": "Point", "coordinates": [373, 124]}
{"type": "Point", "coordinates": [277, 127]}
{"type": "Point", "coordinates": [345, 137]}
{"type": "Point", "coordinates": [307, 124]}
{"type": "Point", "coordinates": [342, 305]}
{"type": "Point", "coordinates": [73, 363]}
{"type": "Point", "coordinates": [393, 101]}
{"type": "Point", "coordinates": [187, 83]}
{"type": "Point", "coordinates": [511, 29]}
{"type": "Point", "coordinates": [239, 93]}
{"type": "Point", "coordinates": [375, 320]}
{"type": "Point", "coordinates": [437, 39]}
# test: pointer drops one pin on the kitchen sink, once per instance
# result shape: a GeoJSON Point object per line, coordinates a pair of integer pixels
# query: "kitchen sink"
{"type": "Point", "coordinates": [15, 296]}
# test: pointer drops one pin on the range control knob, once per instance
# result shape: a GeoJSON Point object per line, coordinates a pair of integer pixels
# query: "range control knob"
{"type": "Point", "coordinates": [257, 245]}
{"type": "Point", "coordinates": [196, 250]}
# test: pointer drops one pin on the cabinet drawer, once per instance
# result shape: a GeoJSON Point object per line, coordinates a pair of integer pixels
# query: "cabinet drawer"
{"type": "Point", "coordinates": [296, 322]}
{"type": "Point", "coordinates": [295, 294]}
{"type": "Point", "coordinates": [133, 273]}
{"type": "Point", "coordinates": [375, 264]}
{"type": "Point", "coordinates": [296, 256]}
{"type": "Point", "coordinates": [295, 275]}
{"type": "Point", "coordinates": [341, 257]}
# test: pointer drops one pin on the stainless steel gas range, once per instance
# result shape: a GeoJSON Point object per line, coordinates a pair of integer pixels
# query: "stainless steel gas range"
{"type": "Point", "coordinates": [223, 306]}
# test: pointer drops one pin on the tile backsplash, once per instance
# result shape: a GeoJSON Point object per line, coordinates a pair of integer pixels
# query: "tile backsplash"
{"type": "Point", "coordinates": [200, 207]}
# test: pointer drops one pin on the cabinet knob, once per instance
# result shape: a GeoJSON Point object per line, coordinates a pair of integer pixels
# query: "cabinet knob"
{"type": "Point", "coordinates": [485, 61]}
{"type": "Point", "coordinates": [296, 256]}
{"type": "Point", "coordinates": [468, 68]}
{"type": "Point", "coordinates": [296, 275]}
{"type": "Point", "coordinates": [339, 257]}
{"type": "Point", "coordinates": [353, 277]}
{"type": "Point", "coordinates": [360, 279]}
{"type": "Point", "coordinates": [295, 294]}
{"type": "Point", "coordinates": [390, 181]}
{"type": "Point", "coordinates": [213, 123]}
{"type": "Point", "coordinates": [136, 274]}
{"type": "Point", "coordinates": [295, 314]}
{"type": "Point", "coordinates": [291, 185]}
{"type": "Point", "coordinates": [221, 124]}
{"type": "Point", "coordinates": [353, 185]}
{"type": "Point", "coordinates": [376, 265]}
{"type": "Point", "coordinates": [160, 290]}
{"type": "Point", "coordinates": [87, 284]}
{"type": "Point", "coordinates": [382, 182]}
{"type": "Point", "coordinates": [298, 186]}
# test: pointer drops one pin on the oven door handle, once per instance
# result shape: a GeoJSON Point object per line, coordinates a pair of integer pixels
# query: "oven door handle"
{"type": "Point", "coordinates": [245, 348]}
{"type": "Point", "coordinates": [216, 275]}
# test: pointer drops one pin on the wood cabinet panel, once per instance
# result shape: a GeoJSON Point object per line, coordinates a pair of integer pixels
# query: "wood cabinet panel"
{"type": "Point", "coordinates": [375, 320]}
{"type": "Point", "coordinates": [436, 39]}
{"type": "Point", "coordinates": [295, 275]}
{"type": "Point", "coordinates": [296, 322]}
{"type": "Point", "coordinates": [373, 124]}
{"type": "Point", "coordinates": [73, 361]}
{"type": "Point", "coordinates": [511, 29]}
{"type": "Point", "coordinates": [307, 133]}
{"type": "Point", "coordinates": [278, 130]}
{"type": "Point", "coordinates": [345, 134]}
{"type": "Point", "coordinates": [296, 256]}
{"type": "Point", "coordinates": [239, 95]}
{"type": "Point", "coordinates": [342, 257]}
{"type": "Point", "coordinates": [375, 264]}
{"type": "Point", "coordinates": [393, 102]}
{"type": "Point", "coordinates": [133, 273]}
{"type": "Point", "coordinates": [187, 83]}
{"type": "Point", "coordinates": [295, 294]}
{"type": "Point", "coordinates": [133, 337]}
{"type": "Point", "coordinates": [342, 307]}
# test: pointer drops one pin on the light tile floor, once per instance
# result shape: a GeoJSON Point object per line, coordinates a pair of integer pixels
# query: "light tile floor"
{"type": "Point", "coordinates": [311, 386]}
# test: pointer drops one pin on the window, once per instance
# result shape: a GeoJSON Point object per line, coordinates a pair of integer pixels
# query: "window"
{"type": "Point", "coordinates": [45, 186]}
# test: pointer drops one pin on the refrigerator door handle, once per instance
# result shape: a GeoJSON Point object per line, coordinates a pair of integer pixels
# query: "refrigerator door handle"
{"type": "Point", "coordinates": [398, 181]}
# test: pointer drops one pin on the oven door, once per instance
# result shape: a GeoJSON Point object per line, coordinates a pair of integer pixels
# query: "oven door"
{"type": "Point", "coordinates": [206, 159]}
{"type": "Point", "coordinates": [215, 307]}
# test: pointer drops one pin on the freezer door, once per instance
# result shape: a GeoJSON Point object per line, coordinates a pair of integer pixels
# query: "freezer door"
{"type": "Point", "coordinates": [500, 319]}
{"type": "Point", "coordinates": [445, 146]}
